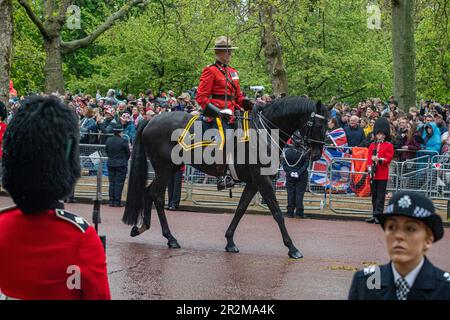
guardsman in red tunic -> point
(219, 86)
(46, 252)
(379, 156)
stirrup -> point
(224, 182)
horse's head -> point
(315, 129)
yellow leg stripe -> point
(222, 136)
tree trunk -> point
(50, 29)
(54, 77)
(404, 52)
(6, 39)
(272, 52)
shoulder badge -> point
(446, 276)
(3, 210)
(370, 270)
(76, 220)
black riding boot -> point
(224, 180)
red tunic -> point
(212, 83)
(37, 250)
(385, 151)
(3, 127)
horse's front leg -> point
(247, 196)
(264, 184)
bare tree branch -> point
(352, 93)
(67, 47)
(48, 8)
(63, 10)
(26, 5)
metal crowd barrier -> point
(96, 138)
(202, 190)
(94, 176)
(355, 201)
(429, 174)
(439, 181)
(414, 174)
(311, 201)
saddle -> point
(188, 140)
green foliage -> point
(327, 47)
(28, 61)
(433, 53)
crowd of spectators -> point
(420, 130)
(423, 128)
(100, 114)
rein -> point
(266, 124)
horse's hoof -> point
(173, 244)
(232, 249)
(296, 254)
(134, 231)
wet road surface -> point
(144, 268)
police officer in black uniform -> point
(411, 225)
(295, 164)
(174, 190)
(118, 152)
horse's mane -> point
(284, 107)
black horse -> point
(154, 141)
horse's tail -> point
(136, 183)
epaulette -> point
(3, 210)
(78, 221)
(369, 270)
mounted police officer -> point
(295, 164)
(219, 94)
(46, 252)
(411, 225)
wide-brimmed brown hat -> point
(223, 43)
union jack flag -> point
(319, 172)
(338, 137)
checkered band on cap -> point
(421, 212)
(389, 209)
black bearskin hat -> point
(382, 125)
(41, 154)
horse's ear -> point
(318, 106)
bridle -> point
(309, 126)
(305, 142)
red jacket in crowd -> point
(3, 127)
(213, 87)
(385, 151)
(51, 255)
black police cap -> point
(118, 128)
(414, 205)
